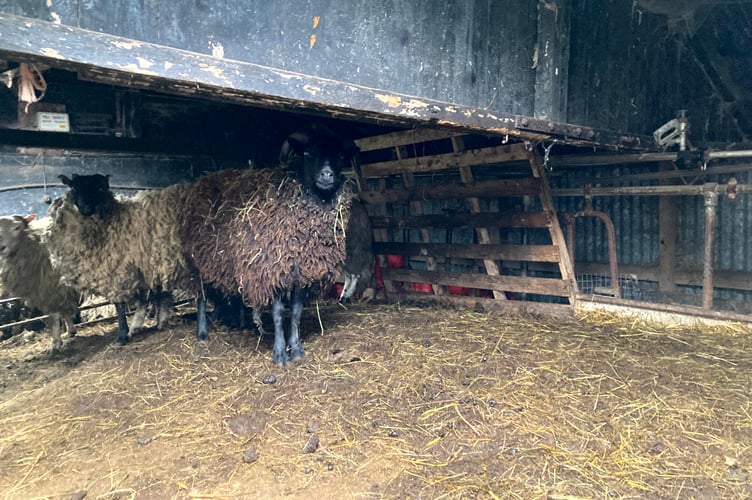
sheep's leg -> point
(139, 315)
(202, 329)
(345, 286)
(122, 337)
(164, 309)
(57, 341)
(279, 351)
(257, 321)
(351, 281)
(297, 299)
(70, 326)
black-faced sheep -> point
(359, 262)
(26, 271)
(121, 249)
(267, 234)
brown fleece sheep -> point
(26, 271)
(266, 234)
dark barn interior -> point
(544, 157)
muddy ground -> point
(391, 401)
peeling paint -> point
(450, 109)
(217, 72)
(46, 51)
(126, 45)
(144, 63)
(56, 18)
(311, 89)
(394, 101)
(136, 69)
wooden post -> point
(484, 238)
(557, 235)
(668, 231)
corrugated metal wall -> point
(636, 221)
(631, 71)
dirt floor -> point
(392, 401)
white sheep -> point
(26, 271)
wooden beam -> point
(529, 253)
(403, 138)
(122, 61)
(505, 187)
(557, 235)
(540, 220)
(541, 286)
(447, 161)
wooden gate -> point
(426, 189)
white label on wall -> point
(53, 122)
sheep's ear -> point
(24, 220)
(65, 180)
(292, 148)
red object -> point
(337, 289)
(422, 287)
(456, 290)
(395, 261)
(379, 278)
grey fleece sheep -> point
(268, 234)
(120, 249)
(26, 271)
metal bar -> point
(588, 160)
(611, 234)
(711, 203)
(731, 187)
(669, 308)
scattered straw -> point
(406, 402)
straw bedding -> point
(392, 401)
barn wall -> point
(636, 220)
(38, 172)
(473, 53)
(631, 69)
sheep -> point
(267, 234)
(121, 250)
(359, 261)
(26, 271)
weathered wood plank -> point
(447, 161)
(539, 220)
(506, 187)
(529, 253)
(402, 138)
(542, 286)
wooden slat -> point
(446, 161)
(528, 253)
(542, 286)
(505, 187)
(482, 233)
(403, 138)
(557, 235)
(535, 220)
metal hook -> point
(546, 154)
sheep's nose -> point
(327, 172)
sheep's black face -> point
(318, 160)
(90, 193)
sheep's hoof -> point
(202, 336)
(296, 353)
(280, 359)
(122, 339)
